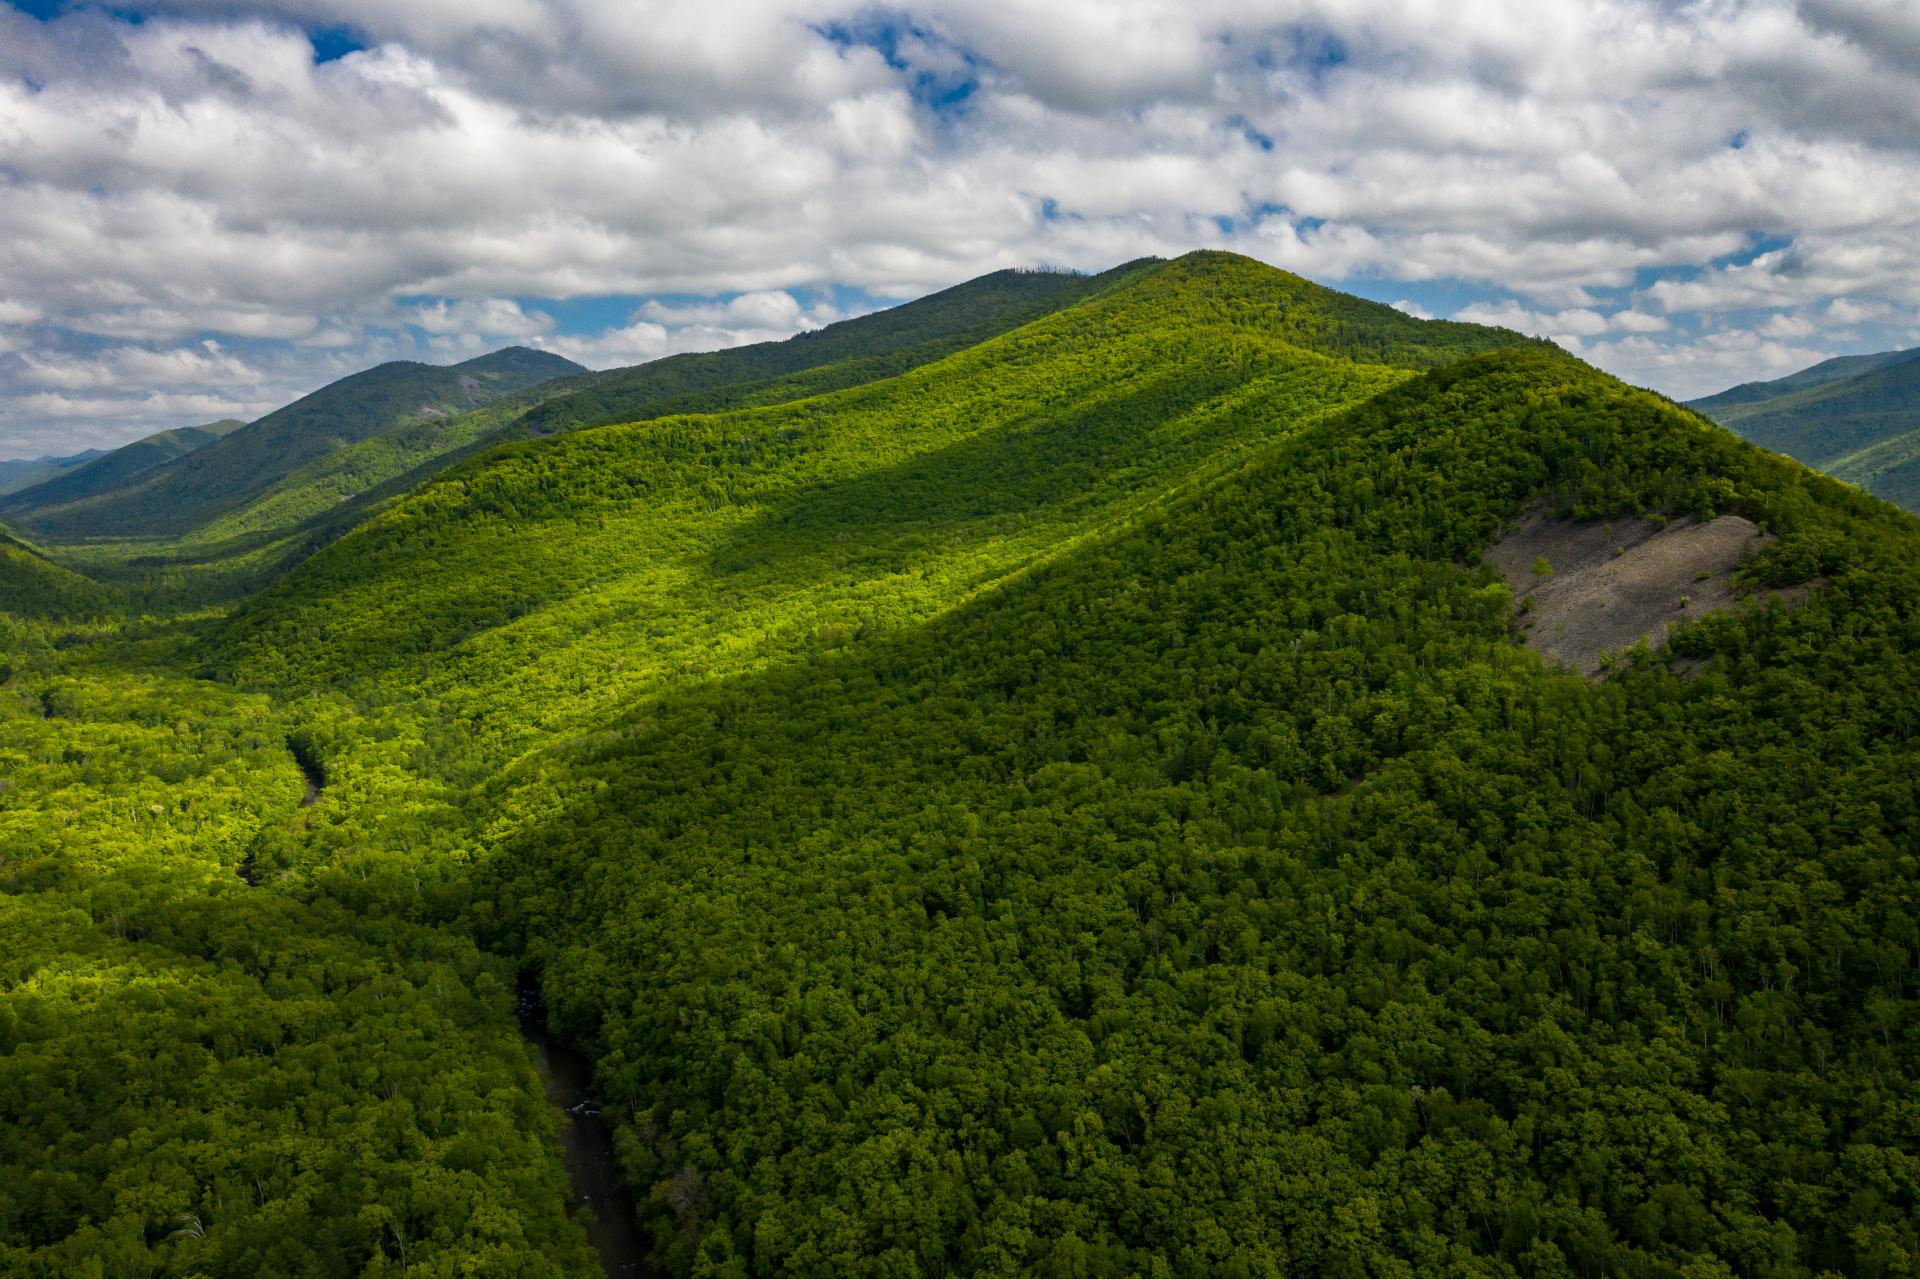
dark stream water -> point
(586, 1146)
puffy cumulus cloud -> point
(663, 327)
(1710, 364)
(1605, 171)
(1562, 326)
(480, 318)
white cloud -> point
(197, 173)
(1575, 322)
(1711, 364)
(1414, 309)
(1849, 311)
(480, 318)
(1788, 327)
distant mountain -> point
(188, 491)
(106, 472)
(1222, 778)
(864, 349)
(19, 473)
(1856, 417)
(331, 494)
(1065, 398)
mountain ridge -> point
(1856, 418)
(189, 490)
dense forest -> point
(1077, 805)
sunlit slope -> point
(344, 481)
(31, 586)
(116, 469)
(186, 493)
(848, 353)
(203, 1075)
(1234, 896)
(550, 577)
(1856, 418)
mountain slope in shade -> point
(843, 354)
(119, 468)
(33, 587)
(958, 470)
(19, 473)
(1079, 807)
(1857, 418)
(183, 494)
(1206, 882)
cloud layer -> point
(199, 218)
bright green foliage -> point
(301, 512)
(365, 475)
(31, 586)
(718, 542)
(202, 1078)
(1072, 808)
(118, 468)
(1234, 897)
(188, 492)
(851, 352)
(1857, 418)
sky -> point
(211, 207)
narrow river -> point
(586, 1145)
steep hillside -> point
(694, 531)
(845, 354)
(19, 473)
(31, 586)
(1856, 418)
(1083, 805)
(865, 349)
(192, 490)
(116, 470)
(1234, 895)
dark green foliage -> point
(119, 468)
(1856, 418)
(31, 586)
(1075, 807)
(20, 473)
(188, 492)
(861, 350)
(1235, 898)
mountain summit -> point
(1181, 772)
(181, 494)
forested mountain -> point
(31, 586)
(1856, 417)
(109, 471)
(336, 492)
(186, 493)
(864, 349)
(19, 473)
(1078, 806)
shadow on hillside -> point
(1053, 464)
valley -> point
(1051, 778)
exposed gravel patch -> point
(1612, 585)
